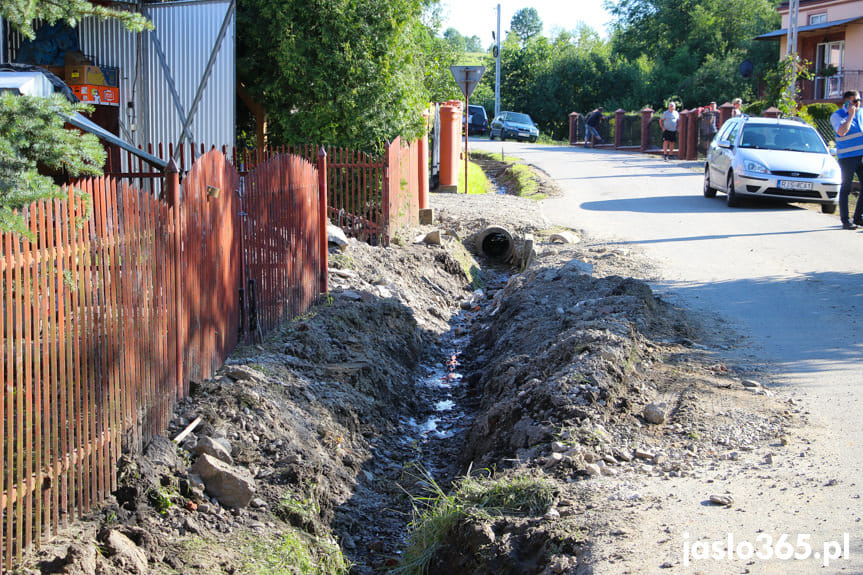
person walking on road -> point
(591, 125)
(847, 122)
(668, 122)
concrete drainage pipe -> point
(495, 244)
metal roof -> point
(784, 31)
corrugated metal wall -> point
(187, 32)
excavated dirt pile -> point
(348, 440)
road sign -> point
(467, 77)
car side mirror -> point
(833, 152)
(724, 144)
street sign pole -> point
(467, 77)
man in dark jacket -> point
(591, 127)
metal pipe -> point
(495, 243)
(83, 123)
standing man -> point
(847, 122)
(591, 124)
(668, 123)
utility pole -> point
(497, 67)
(791, 44)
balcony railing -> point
(831, 87)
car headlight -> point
(756, 167)
(831, 173)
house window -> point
(829, 63)
(818, 18)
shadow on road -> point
(680, 204)
(808, 320)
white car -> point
(771, 158)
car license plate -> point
(791, 185)
(523, 134)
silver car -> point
(770, 158)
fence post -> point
(172, 188)
(772, 112)
(682, 134)
(573, 128)
(385, 196)
(692, 135)
(724, 114)
(423, 160)
(619, 119)
(646, 116)
(322, 219)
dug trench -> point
(434, 414)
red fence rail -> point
(106, 318)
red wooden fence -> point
(106, 319)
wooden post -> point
(646, 116)
(322, 220)
(771, 112)
(619, 119)
(682, 133)
(573, 128)
(172, 193)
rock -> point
(232, 486)
(579, 267)
(644, 454)
(565, 237)
(592, 469)
(212, 447)
(552, 514)
(191, 526)
(432, 238)
(258, 503)
(784, 440)
(622, 455)
(725, 500)
(163, 451)
(243, 372)
(123, 551)
(606, 470)
(751, 383)
(554, 459)
(559, 447)
(336, 236)
(79, 558)
(654, 413)
(350, 274)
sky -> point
(479, 17)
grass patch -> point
(477, 181)
(294, 552)
(546, 140)
(341, 261)
(438, 513)
(518, 178)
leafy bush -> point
(755, 108)
(821, 111)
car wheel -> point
(730, 195)
(828, 208)
(709, 190)
(491, 135)
(531, 140)
(502, 138)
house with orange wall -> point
(830, 38)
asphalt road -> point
(789, 283)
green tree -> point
(473, 44)
(32, 134)
(454, 39)
(22, 13)
(526, 24)
(346, 72)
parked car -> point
(513, 125)
(477, 120)
(771, 158)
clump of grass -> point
(341, 261)
(477, 182)
(438, 513)
(518, 177)
(294, 552)
(298, 510)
